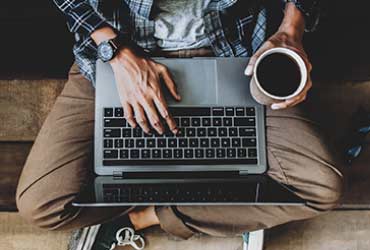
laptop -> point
(217, 158)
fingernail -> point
(275, 106)
(248, 70)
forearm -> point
(293, 23)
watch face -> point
(105, 51)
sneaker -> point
(253, 240)
(117, 233)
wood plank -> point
(339, 230)
(12, 159)
(24, 105)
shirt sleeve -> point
(82, 18)
(311, 11)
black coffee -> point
(278, 74)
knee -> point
(50, 211)
(326, 189)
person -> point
(60, 162)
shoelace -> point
(126, 236)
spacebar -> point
(179, 162)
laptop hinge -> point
(243, 172)
(164, 175)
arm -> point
(289, 35)
(81, 16)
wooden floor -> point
(339, 230)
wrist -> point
(103, 34)
(293, 23)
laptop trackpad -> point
(196, 81)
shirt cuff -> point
(171, 223)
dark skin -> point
(138, 83)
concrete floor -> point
(338, 230)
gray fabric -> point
(179, 24)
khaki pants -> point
(60, 165)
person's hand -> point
(281, 39)
(138, 83)
(288, 36)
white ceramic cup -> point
(260, 94)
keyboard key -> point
(190, 132)
(129, 143)
(225, 142)
(183, 142)
(145, 153)
(110, 154)
(195, 122)
(250, 112)
(114, 122)
(167, 153)
(118, 143)
(186, 111)
(134, 153)
(108, 143)
(206, 122)
(111, 133)
(242, 152)
(123, 154)
(126, 133)
(231, 152)
(185, 122)
(188, 153)
(172, 143)
(229, 111)
(199, 153)
(108, 112)
(150, 143)
(227, 122)
(217, 122)
(204, 142)
(249, 142)
(212, 132)
(162, 143)
(233, 131)
(181, 132)
(168, 132)
(239, 112)
(210, 153)
(137, 132)
(156, 153)
(140, 143)
(222, 132)
(221, 153)
(247, 131)
(177, 153)
(236, 142)
(194, 142)
(201, 132)
(118, 112)
(218, 111)
(215, 142)
(244, 122)
(252, 152)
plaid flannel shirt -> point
(234, 28)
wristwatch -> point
(310, 10)
(108, 49)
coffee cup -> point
(279, 74)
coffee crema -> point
(279, 74)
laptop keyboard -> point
(214, 135)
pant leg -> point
(298, 155)
(60, 163)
